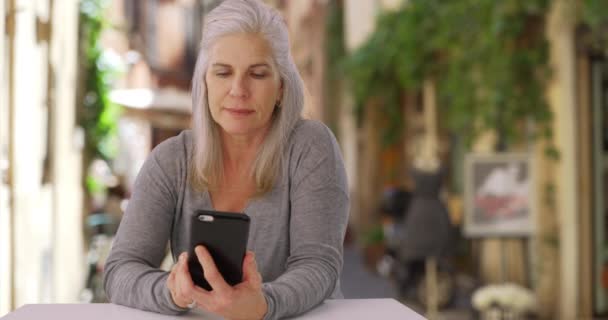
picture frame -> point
(499, 197)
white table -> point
(351, 309)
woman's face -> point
(243, 84)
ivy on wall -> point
(98, 116)
(489, 59)
(595, 12)
(335, 52)
(595, 16)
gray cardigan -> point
(297, 229)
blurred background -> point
(474, 133)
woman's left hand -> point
(243, 301)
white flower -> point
(508, 296)
(484, 297)
(524, 301)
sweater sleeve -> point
(131, 274)
(319, 213)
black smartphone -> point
(225, 235)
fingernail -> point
(182, 256)
(199, 250)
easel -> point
(509, 252)
(429, 160)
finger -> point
(212, 275)
(183, 266)
(171, 278)
(250, 269)
(176, 288)
(171, 281)
(202, 297)
(185, 286)
(189, 292)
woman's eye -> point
(258, 75)
(222, 74)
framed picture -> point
(499, 195)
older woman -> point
(250, 152)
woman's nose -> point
(238, 87)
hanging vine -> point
(97, 115)
(489, 58)
(595, 15)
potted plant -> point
(373, 246)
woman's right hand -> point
(180, 283)
(243, 301)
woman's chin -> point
(239, 130)
(243, 128)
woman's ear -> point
(280, 95)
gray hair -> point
(244, 16)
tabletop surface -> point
(352, 309)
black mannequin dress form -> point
(428, 231)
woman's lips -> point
(239, 112)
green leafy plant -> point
(595, 15)
(374, 235)
(335, 52)
(488, 58)
(335, 47)
(595, 12)
(98, 116)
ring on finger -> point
(192, 304)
